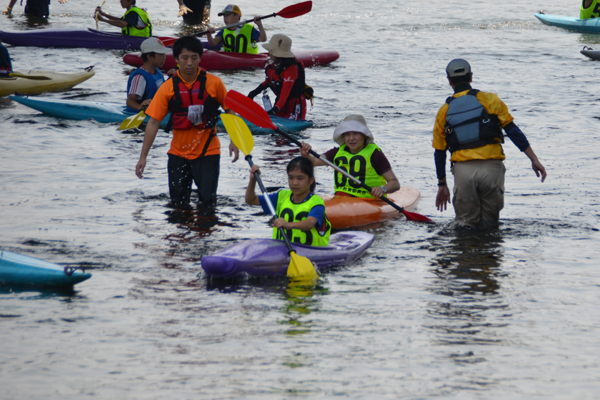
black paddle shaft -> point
(338, 169)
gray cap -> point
(153, 45)
(458, 67)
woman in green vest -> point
(135, 21)
(238, 39)
(299, 211)
(360, 157)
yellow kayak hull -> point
(56, 81)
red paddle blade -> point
(411, 216)
(248, 109)
(167, 41)
(296, 10)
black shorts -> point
(203, 171)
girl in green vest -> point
(135, 21)
(299, 211)
(360, 157)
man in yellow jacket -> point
(470, 126)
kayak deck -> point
(57, 81)
(350, 212)
(269, 257)
(21, 270)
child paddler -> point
(360, 157)
(240, 39)
(145, 81)
(135, 21)
(299, 211)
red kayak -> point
(220, 60)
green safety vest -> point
(293, 212)
(132, 30)
(359, 166)
(593, 11)
(240, 40)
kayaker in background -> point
(194, 12)
(589, 9)
(299, 211)
(470, 126)
(145, 81)
(39, 8)
(285, 77)
(5, 62)
(193, 97)
(135, 21)
(243, 39)
(360, 157)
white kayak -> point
(38, 81)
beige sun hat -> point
(280, 46)
(352, 123)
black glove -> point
(255, 92)
(273, 111)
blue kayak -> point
(591, 25)
(117, 112)
(20, 270)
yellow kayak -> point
(42, 81)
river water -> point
(426, 313)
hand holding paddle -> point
(299, 267)
(255, 114)
(293, 11)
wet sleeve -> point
(516, 136)
(330, 154)
(318, 212)
(273, 197)
(288, 76)
(380, 163)
(440, 163)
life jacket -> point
(593, 11)
(359, 166)
(132, 30)
(293, 212)
(183, 98)
(153, 81)
(240, 40)
(469, 124)
(273, 72)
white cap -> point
(352, 123)
(153, 45)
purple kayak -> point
(90, 38)
(269, 257)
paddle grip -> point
(338, 169)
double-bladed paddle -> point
(133, 121)
(293, 11)
(254, 113)
(299, 267)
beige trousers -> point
(478, 193)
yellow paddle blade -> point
(238, 132)
(133, 122)
(301, 268)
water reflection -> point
(467, 268)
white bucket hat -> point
(352, 123)
(280, 46)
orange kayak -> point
(348, 212)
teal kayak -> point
(116, 113)
(591, 25)
(21, 270)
